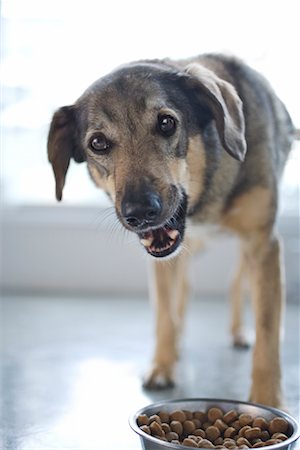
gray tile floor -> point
(72, 368)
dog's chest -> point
(199, 234)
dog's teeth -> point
(147, 242)
(173, 234)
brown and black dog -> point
(175, 143)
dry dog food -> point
(214, 429)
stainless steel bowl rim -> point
(215, 402)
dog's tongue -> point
(159, 241)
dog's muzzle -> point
(160, 236)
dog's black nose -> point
(144, 210)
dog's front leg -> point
(168, 287)
(237, 299)
(263, 257)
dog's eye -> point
(166, 124)
(99, 143)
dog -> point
(178, 144)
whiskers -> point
(108, 222)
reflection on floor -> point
(72, 368)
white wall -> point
(53, 49)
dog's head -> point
(135, 129)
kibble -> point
(214, 413)
(205, 443)
(218, 441)
(260, 422)
(188, 427)
(176, 426)
(166, 427)
(243, 430)
(145, 429)
(212, 433)
(265, 435)
(214, 429)
(200, 432)
(243, 441)
(230, 432)
(195, 438)
(178, 416)
(156, 429)
(171, 436)
(230, 416)
(245, 419)
(164, 416)
(229, 443)
(143, 419)
(280, 436)
(154, 418)
(252, 433)
(272, 441)
(278, 425)
(258, 444)
(222, 426)
(236, 424)
(189, 443)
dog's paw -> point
(241, 341)
(159, 378)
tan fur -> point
(108, 183)
(196, 163)
(178, 169)
(250, 211)
(190, 171)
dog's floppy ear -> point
(225, 105)
(63, 144)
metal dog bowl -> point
(203, 404)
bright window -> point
(53, 49)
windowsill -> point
(64, 249)
(80, 214)
(56, 214)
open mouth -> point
(163, 241)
